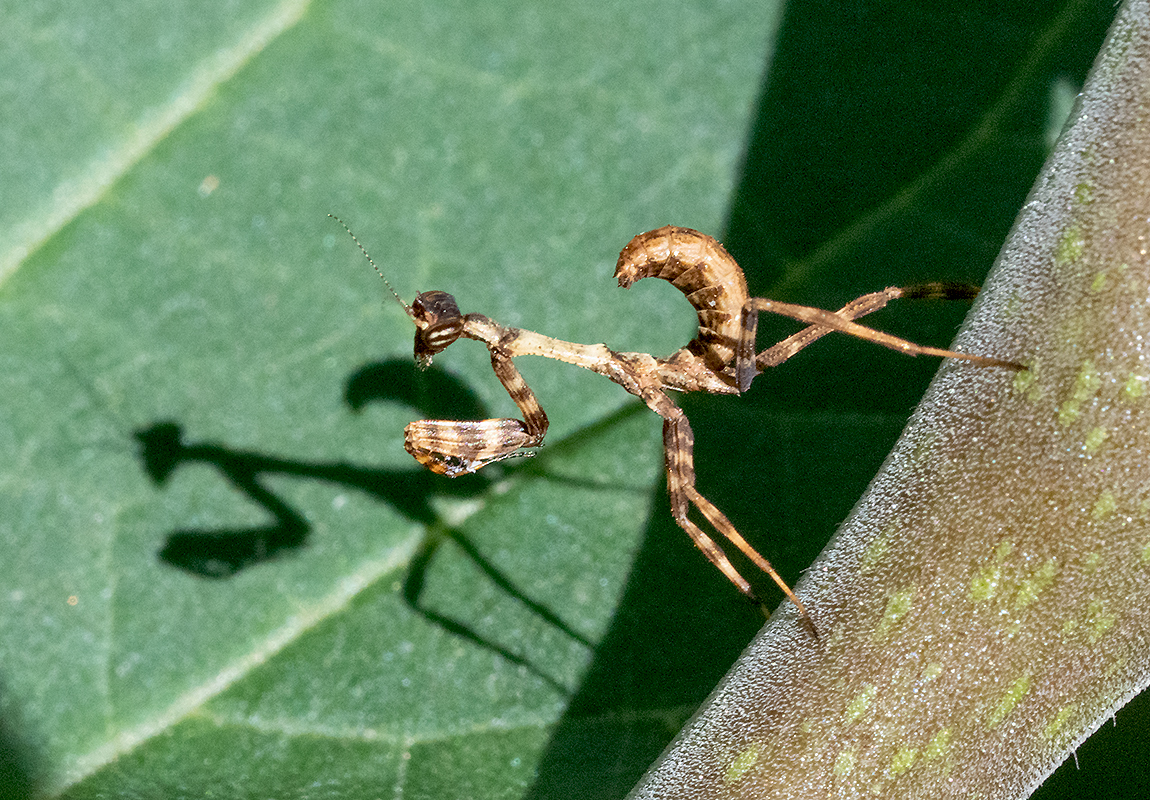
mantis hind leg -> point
(678, 446)
(821, 322)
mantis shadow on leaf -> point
(222, 553)
(225, 552)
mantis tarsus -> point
(720, 360)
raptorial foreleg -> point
(450, 447)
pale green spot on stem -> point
(896, 608)
(1106, 278)
(938, 745)
(1083, 194)
(1095, 439)
(877, 548)
(1146, 553)
(1086, 385)
(1030, 588)
(1009, 701)
(931, 671)
(1070, 246)
(743, 763)
(1098, 285)
(1013, 305)
(984, 585)
(1133, 388)
(923, 449)
(845, 762)
(1023, 379)
(1104, 506)
(859, 705)
(1058, 722)
(1100, 620)
(1028, 382)
(902, 761)
(1092, 562)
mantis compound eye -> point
(438, 323)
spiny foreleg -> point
(450, 447)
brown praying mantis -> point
(720, 360)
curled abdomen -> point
(699, 267)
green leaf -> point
(220, 572)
